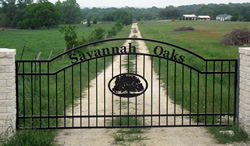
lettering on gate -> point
(158, 51)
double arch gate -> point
(124, 86)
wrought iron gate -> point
(118, 86)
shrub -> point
(185, 29)
(112, 32)
(70, 36)
(97, 34)
(237, 37)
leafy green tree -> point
(8, 11)
(97, 34)
(112, 32)
(118, 26)
(121, 16)
(235, 16)
(70, 11)
(4, 20)
(88, 23)
(147, 16)
(247, 16)
(70, 36)
(95, 19)
(40, 15)
(169, 12)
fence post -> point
(244, 88)
(7, 91)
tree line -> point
(240, 12)
(27, 14)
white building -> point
(223, 17)
(203, 17)
(189, 17)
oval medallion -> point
(128, 85)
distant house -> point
(223, 17)
(85, 22)
(203, 17)
(189, 17)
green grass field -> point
(44, 40)
(197, 92)
(204, 41)
(37, 101)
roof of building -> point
(204, 16)
(224, 15)
(189, 15)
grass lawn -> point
(197, 92)
(48, 87)
(43, 40)
(204, 41)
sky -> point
(148, 3)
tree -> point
(169, 12)
(235, 16)
(4, 20)
(247, 16)
(8, 11)
(88, 23)
(119, 16)
(70, 11)
(96, 35)
(127, 83)
(40, 15)
(70, 36)
(147, 16)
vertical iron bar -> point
(221, 92)
(128, 98)
(120, 97)
(64, 86)
(96, 92)
(80, 94)
(88, 98)
(48, 97)
(159, 91)
(190, 104)
(112, 93)
(144, 92)
(206, 96)
(23, 97)
(104, 91)
(213, 90)
(236, 98)
(229, 91)
(152, 90)
(175, 93)
(32, 109)
(167, 95)
(198, 98)
(136, 96)
(128, 63)
(72, 96)
(56, 103)
(40, 84)
(182, 111)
